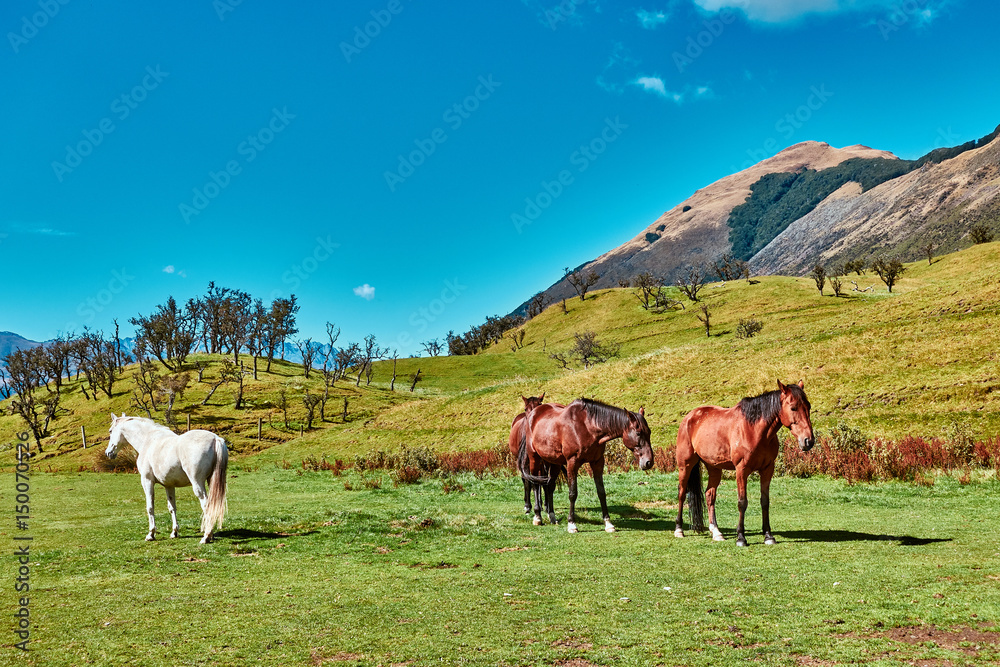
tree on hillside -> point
(235, 321)
(328, 370)
(980, 234)
(308, 351)
(929, 249)
(705, 317)
(27, 376)
(836, 283)
(280, 325)
(146, 380)
(432, 347)
(692, 282)
(535, 307)
(345, 359)
(370, 353)
(255, 339)
(818, 274)
(855, 265)
(888, 269)
(169, 388)
(100, 363)
(581, 282)
(56, 360)
(730, 267)
(589, 350)
(168, 334)
(646, 286)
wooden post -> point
(189, 422)
(83, 436)
(416, 377)
(300, 430)
(345, 410)
(258, 428)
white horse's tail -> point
(215, 508)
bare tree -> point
(516, 339)
(308, 352)
(280, 325)
(146, 380)
(433, 348)
(395, 358)
(582, 282)
(560, 358)
(729, 267)
(888, 269)
(858, 266)
(536, 305)
(589, 350)
(169, 388)
(705, 318)
(416, 378)
(370, 353)
(310, 401)
(329, 369)
(235, 373)
(345, 359)
(26, 376)
(837, 284)
(646, 287)
(818, 274)
(235, 321)
(256, 340)
(929, 249)
(692, 282)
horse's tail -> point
(696, 499)
(215, 508)
(522, 461)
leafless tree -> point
(536, 305)
(255, 338)
(705, 318)
(433, 348)
(560, 358)
(146, 380)
(729, 267)
(582, 282)
(168, 334)
(929, 249)
(370, 353)
(589, 350)
(308, 352)
(26, 376)
(280, 326)
(310, 402)
(345, 359)
(516, 339)
(416, 378)
(692, 282)
(395, 358)
(646, 286)
(169, 388)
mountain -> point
(10, 341)
(813, 202)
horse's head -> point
(636, 438)
(533, 402)
(115, 435)
(795, 414)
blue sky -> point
(406, 168)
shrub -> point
(406, 475)
(651, 237)
(847, 438)
(420, 458)
(372, 482)
(980, 234)
(124, 462)
(748, 327)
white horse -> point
(176, 460)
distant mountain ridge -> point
(804, 205)
(10, 342)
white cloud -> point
(783, 11)
(655, 85)
(365, 291)
(650, 20)
(168, 268)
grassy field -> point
(308, 572)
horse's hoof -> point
(174, 534)
(678, 532)
(206, 540)
(608, 528)
(770, 540)
(537, 521)
(150, 538)
(527, 510)
(571, 528)
(718, 536)
(740, 542)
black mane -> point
(767, 406)
(604, 415)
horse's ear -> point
(541, 399)
(114, 418)
(782, 387)
(802, 384)
(642, 412)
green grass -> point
(306, 572)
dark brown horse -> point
(516, 428)
(573, 435)
(743, 438)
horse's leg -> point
(684, 469)
(741, 493)
(572, 466)
(538, 504)
(148, 487)
(527, 496)
(550, 505)
(202, 496)
(765, 502)
(172, 504)
(598, 468)
(714, 478)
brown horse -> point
(573, 435)
(743, 438)
(516, 427)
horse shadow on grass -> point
(851, 536)
(245, 534)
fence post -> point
(258, 428)
(345, 410)
(83, 436)
(189, 422)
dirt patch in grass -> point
(575, 662)
(959, 638)
(573, 644)
(500, 550)
(809, 661)
(656, 504)
(317, 658)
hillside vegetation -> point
(921, 361)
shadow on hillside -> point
(245, 534)
(850, 536)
